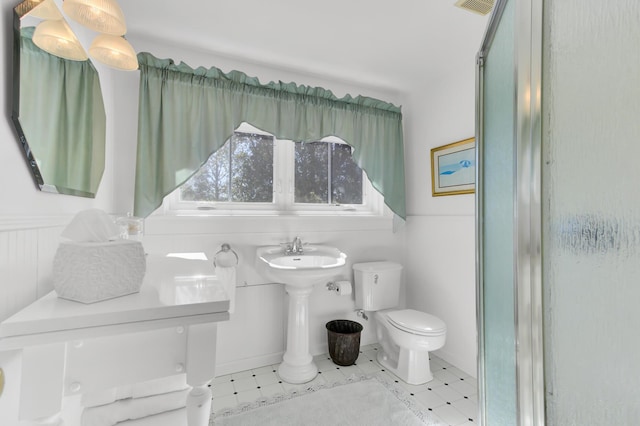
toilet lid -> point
(417, 322)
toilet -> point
(406, 336)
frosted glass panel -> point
(591, 207)
(498, 165)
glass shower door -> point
(592, 213)
(508, 212)
(496, 180)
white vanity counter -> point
(51, 318)
(69, 348)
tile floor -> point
(451, 396)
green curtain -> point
(186, 114)
(63, 118)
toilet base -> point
(412, 367)
(406, 354)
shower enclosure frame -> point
(527, 209)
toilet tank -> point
(377, 285)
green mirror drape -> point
(186, 114)
(62, 115)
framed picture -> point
(453, 168)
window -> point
(241, 171)
(325, 173)
(256, 172)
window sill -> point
(251, 223)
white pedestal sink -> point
(299, 273)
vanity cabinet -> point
(69, 348)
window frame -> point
(283, 192)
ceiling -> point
(388, 44)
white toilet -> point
(405, 335)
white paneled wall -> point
(27, 248)
(18, 269)
(255, 335)
(48, 240)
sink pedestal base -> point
(297, 364)
(296, 374)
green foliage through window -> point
(323, 168)
(240, 171)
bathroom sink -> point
(299, 270)
(313, 257)
(314, 263)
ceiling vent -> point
(481, 7)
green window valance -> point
(187, 114)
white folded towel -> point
(133, 408)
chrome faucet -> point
(295, 247)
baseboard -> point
(248, 363)
(270, 359)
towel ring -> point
(225, 248)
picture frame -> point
(453, 168)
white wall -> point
(440, 271)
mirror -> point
(58, 111)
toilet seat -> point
(417, 322)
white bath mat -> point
(364, 400)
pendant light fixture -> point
(102, 16)
(114, 51)
(105, 17)
(56, 37)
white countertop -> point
(162, 301)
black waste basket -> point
(344, 341)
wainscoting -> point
(256, 332)
(27, 248)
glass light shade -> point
(114, 51)
(103, 16)
(57, 38)
(46, 10)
